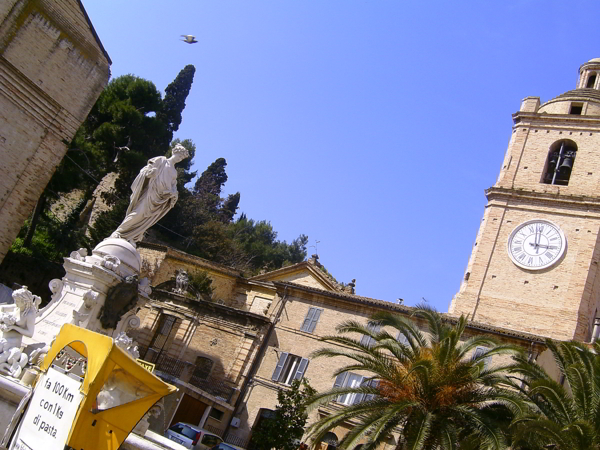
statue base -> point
(80, 296)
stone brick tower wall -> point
(562, 300)
(52, 69)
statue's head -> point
(180, 152)
(24, 299)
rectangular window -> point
(311, 319)
(289, 368)
(368, 340)
(352, 380)
(402, 339)
(591, 82)
(159, 340)
(478, 352)
(576, 109)
(216, 414)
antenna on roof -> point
(315, 246)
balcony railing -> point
(186, 372)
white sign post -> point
(50, 414)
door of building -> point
(190, 410)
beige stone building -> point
(52, 69)
(230, 352)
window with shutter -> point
(279, 366)
(368, 340)
(480, 351)
(402, 339)
(371, 383)
(353, 380)
(289, 368)
(311, 319)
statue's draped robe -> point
(154, 193)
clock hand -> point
(551, 247)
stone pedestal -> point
(90, 282)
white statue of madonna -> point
(16, 321)
(154, 193)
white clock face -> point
(536, 244)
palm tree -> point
(561, 418)
(439, 390)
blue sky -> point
(372, 126)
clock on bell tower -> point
(534, 264)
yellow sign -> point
(146, 365)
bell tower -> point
(534, 266)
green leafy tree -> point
(204, 221)
(430, 386)
(174, 102)
(174, 227)
(131, 118)
(201, 283)
(561, 417)
(286, 427)
(259, 242)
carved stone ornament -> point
(90, 298)
(79, 255)
(128, 344)
(119, 300)
(143, 425)
(16, 321)
(55, 287)
(181, 282)
(132, 322)
(79, 317)
(144, 286)
(110, 262)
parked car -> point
(192, 436)
(225, 446)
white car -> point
(192, 436)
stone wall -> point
(52, 70)
(160, 264)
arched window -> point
(331, 440)
(559, 164)
(591, 82)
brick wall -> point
(52, 70)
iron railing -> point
(186, 372)
(237, 441)
(213, 429)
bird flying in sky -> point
(188, 38)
